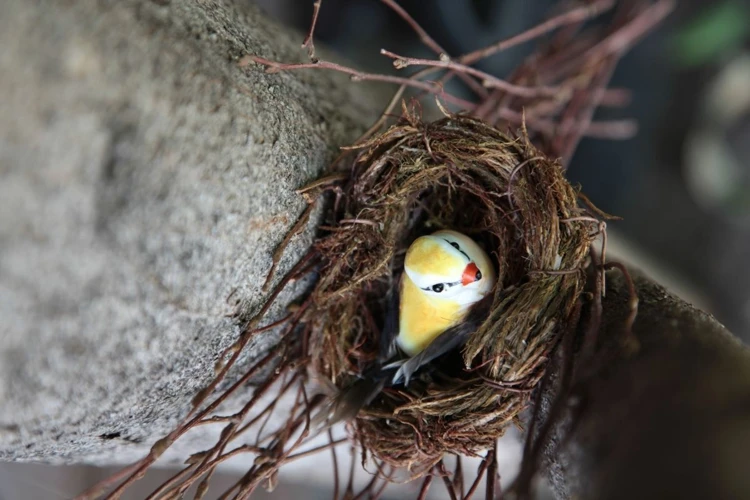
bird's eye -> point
(479, 275)
(437, 288)
(455, 245)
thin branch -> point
(446, 480)
(433, 45)
(308, 42)
(480, 474)
(632, 301)
(96, 490)
(458, 476)
(487, 79)
(279, 251)
(317, 449)
(360, 76)
(349, 493)
(335, 464)
(425, 488)
(139, 469)
(491, 481)
(623, 39)
(571, 17)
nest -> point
(413, 179)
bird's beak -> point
(471, 274)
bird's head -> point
(448, 264)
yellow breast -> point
(423, 318)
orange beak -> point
(471, 274)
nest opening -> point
(413, 179)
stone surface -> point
(146, 175)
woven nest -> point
(457, 173)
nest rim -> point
(537, 234)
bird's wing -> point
(449, 339)
(347, 404)
(453, 337)
(390, 327)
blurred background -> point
(682, 185)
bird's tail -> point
(347, 404)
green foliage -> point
(721, 29)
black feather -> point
(389, 333)
(347, 404)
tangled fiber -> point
(462, 174)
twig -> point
(623, 39)
(446, 480)
(96, 490)
(491, 481)
(335, 465)
(308, 42)
(317, 449)
(488, 80)
(433, 45)
(171, 482)
(458, 477)
(349, 493)
(425, 488)
(480, 474)
(369, 486)
(278, 252)
(632, 300)
(137, 470)
(573, 16)
(591, 335)
(575, 120)
(229, 433)
(379, 492)
(359, 76)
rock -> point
(147, 172)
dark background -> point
(682, 185)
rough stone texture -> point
(146, 175)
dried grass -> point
(463, 174)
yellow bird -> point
(445, 274)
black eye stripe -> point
(455, 245)
(440, 287)
(449, 285)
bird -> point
(446, 276)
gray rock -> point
(146, 176)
